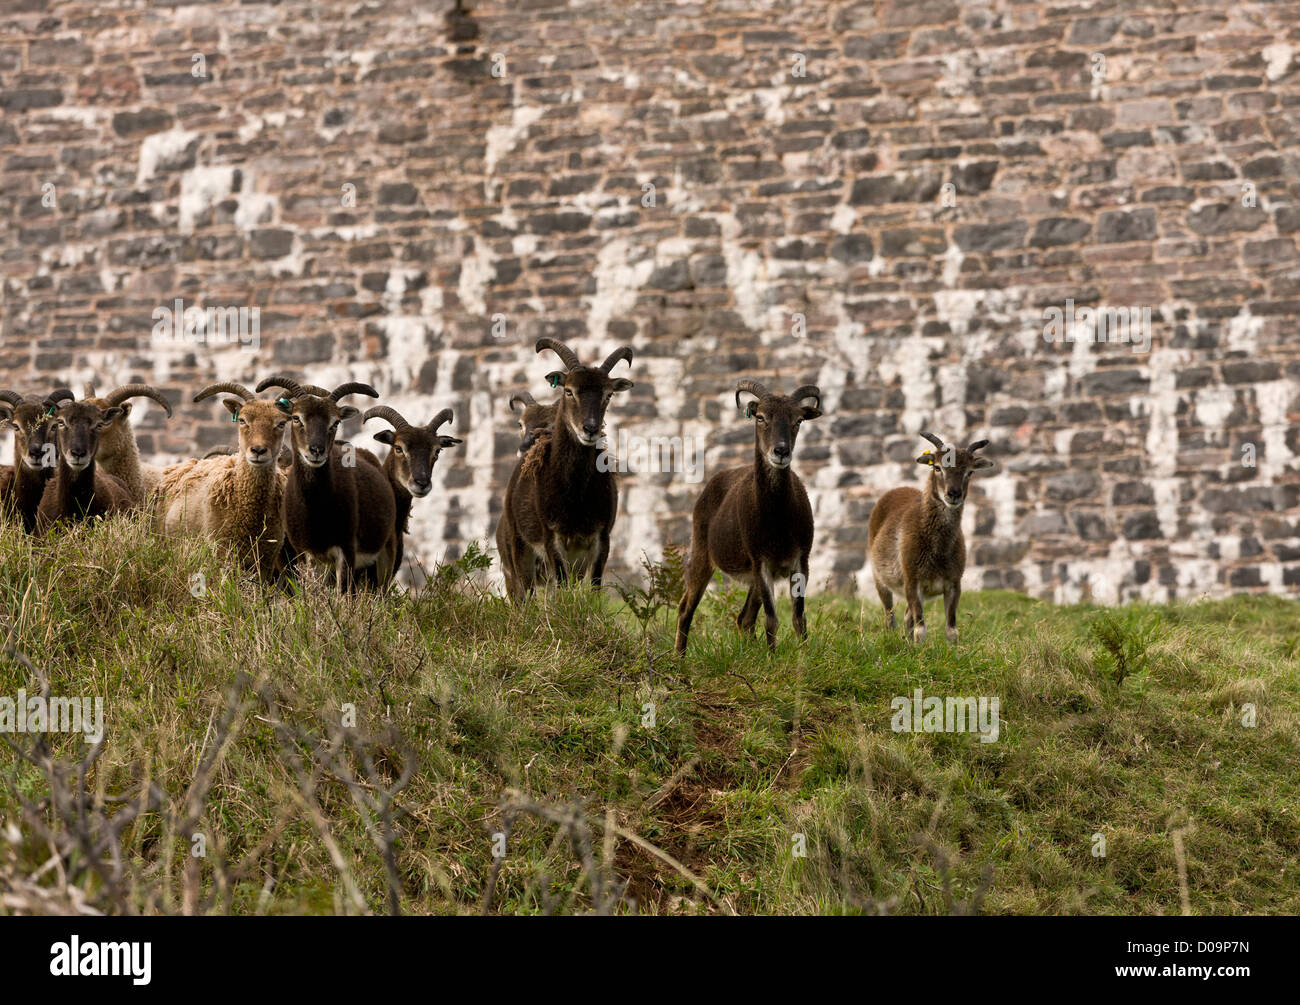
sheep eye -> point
(398, 448)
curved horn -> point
(13, 397)
(88, 389)
(808, 391)
(933, 439)
(288, 383)
(567, 355)
(60, 394)
(977, 445)
(524, 397)
(753, 387)
(389, 415)
(439, 419)
(352, 387)
(120, 394)
(225, 387)
(611, 361)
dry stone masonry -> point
(923, 206)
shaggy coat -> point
(234, 498)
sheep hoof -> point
(918, 633)
(952, 635)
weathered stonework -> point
(940, 175)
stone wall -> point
(883, 198)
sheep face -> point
(261, 429)
(315, 424)
(777, 418)
(78, 427)
(950, 470)
(533, 418)
(415, 452)
(586, 396)
(118, 440)
(33, 441)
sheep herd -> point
(338, 506)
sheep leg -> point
(915, 623)
(887, 601)
(602, 556)
(698, 574)
(749, 613)
(769, 607)
(951, 594)
(799, 587)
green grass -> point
(1123, 723)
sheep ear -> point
(284, 405)
(983, 464)
(126, 409)
(385, 436)
(347, 412)
(927, 458)
(622, 384)
(232, 405)
(6, 413)
(110, 414)
(810, 412)
(555, 378)
(448, 441)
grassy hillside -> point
(224, 720)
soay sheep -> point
(234, 498)
(915, 538)
(338, 510)
(413, 451)
(79, 490)
(755, 522)
(560, 504)
(35, 454)
(534, 418)
(118, 453)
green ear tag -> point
(284, 401)
(749, 410)
(234, 416)
(555, 382)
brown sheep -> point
(755, 522)
(118, 453)
(235, 499)
(79, 491)
(915, 538)
(35, 455)
(414, 450)
(560, 505)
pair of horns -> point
(977, 445)
(760, 390)
(55, 396)
(524, 398)
(570, 358)
(297, 390)
(395, 419)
